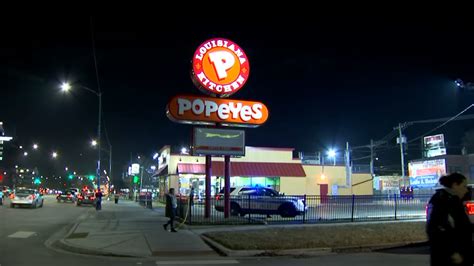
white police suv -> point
(260, 200)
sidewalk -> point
(127, 229)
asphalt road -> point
(24, 232)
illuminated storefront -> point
(268, 167)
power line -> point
(443, 124)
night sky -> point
(325, 81)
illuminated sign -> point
(211, 111)
(220, 67)
(135, 169)
(425, 174)
(434, 146)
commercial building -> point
(269, 167)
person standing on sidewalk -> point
(191, 197)
(98, 196)
(116, 196)
(448, 226)
(170, 210)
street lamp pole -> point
(65, 88)
(99, 137)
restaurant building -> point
(267, 167)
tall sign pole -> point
(207, 213)
(220, 68)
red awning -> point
(191, 168)
(246, 169)
(163, 171)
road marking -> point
(21, 234)
(196, 262)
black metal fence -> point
(249, 209)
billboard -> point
(425, 174)
(213, 141)
(433, 146)
(387, 183)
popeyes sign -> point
(220, 68)
(212, 111)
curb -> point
(370, 248)
(301, 252)
(256, 252)
(61, 244)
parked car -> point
(86, 196)
(26, 197)
(260, 200)
(67, 196)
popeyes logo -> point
(220, 67)
(212, 111)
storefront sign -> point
(212, 111)
(220, 67)
(212, 141)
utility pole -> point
(372, 158)
(141, 180)
(402, 153)
(110, 163)
(348, 167)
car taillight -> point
(69, 196)
(218, 197)
(470, 208)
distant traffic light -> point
(1, 178)
(136, 180)
(37, 181)
(70, 176)
(91, 177)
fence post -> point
(395, 199)
(353, 203)
(190, 212)
(250, 221)
(304, 209)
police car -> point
(260, 200)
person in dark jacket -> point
(170, 211)
(98, 203)
(448, 226)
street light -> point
(332, 154)
(54, 154)
(468, 85)
(35, 146)
(66, 87)
(94, 142)
(25, 153)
